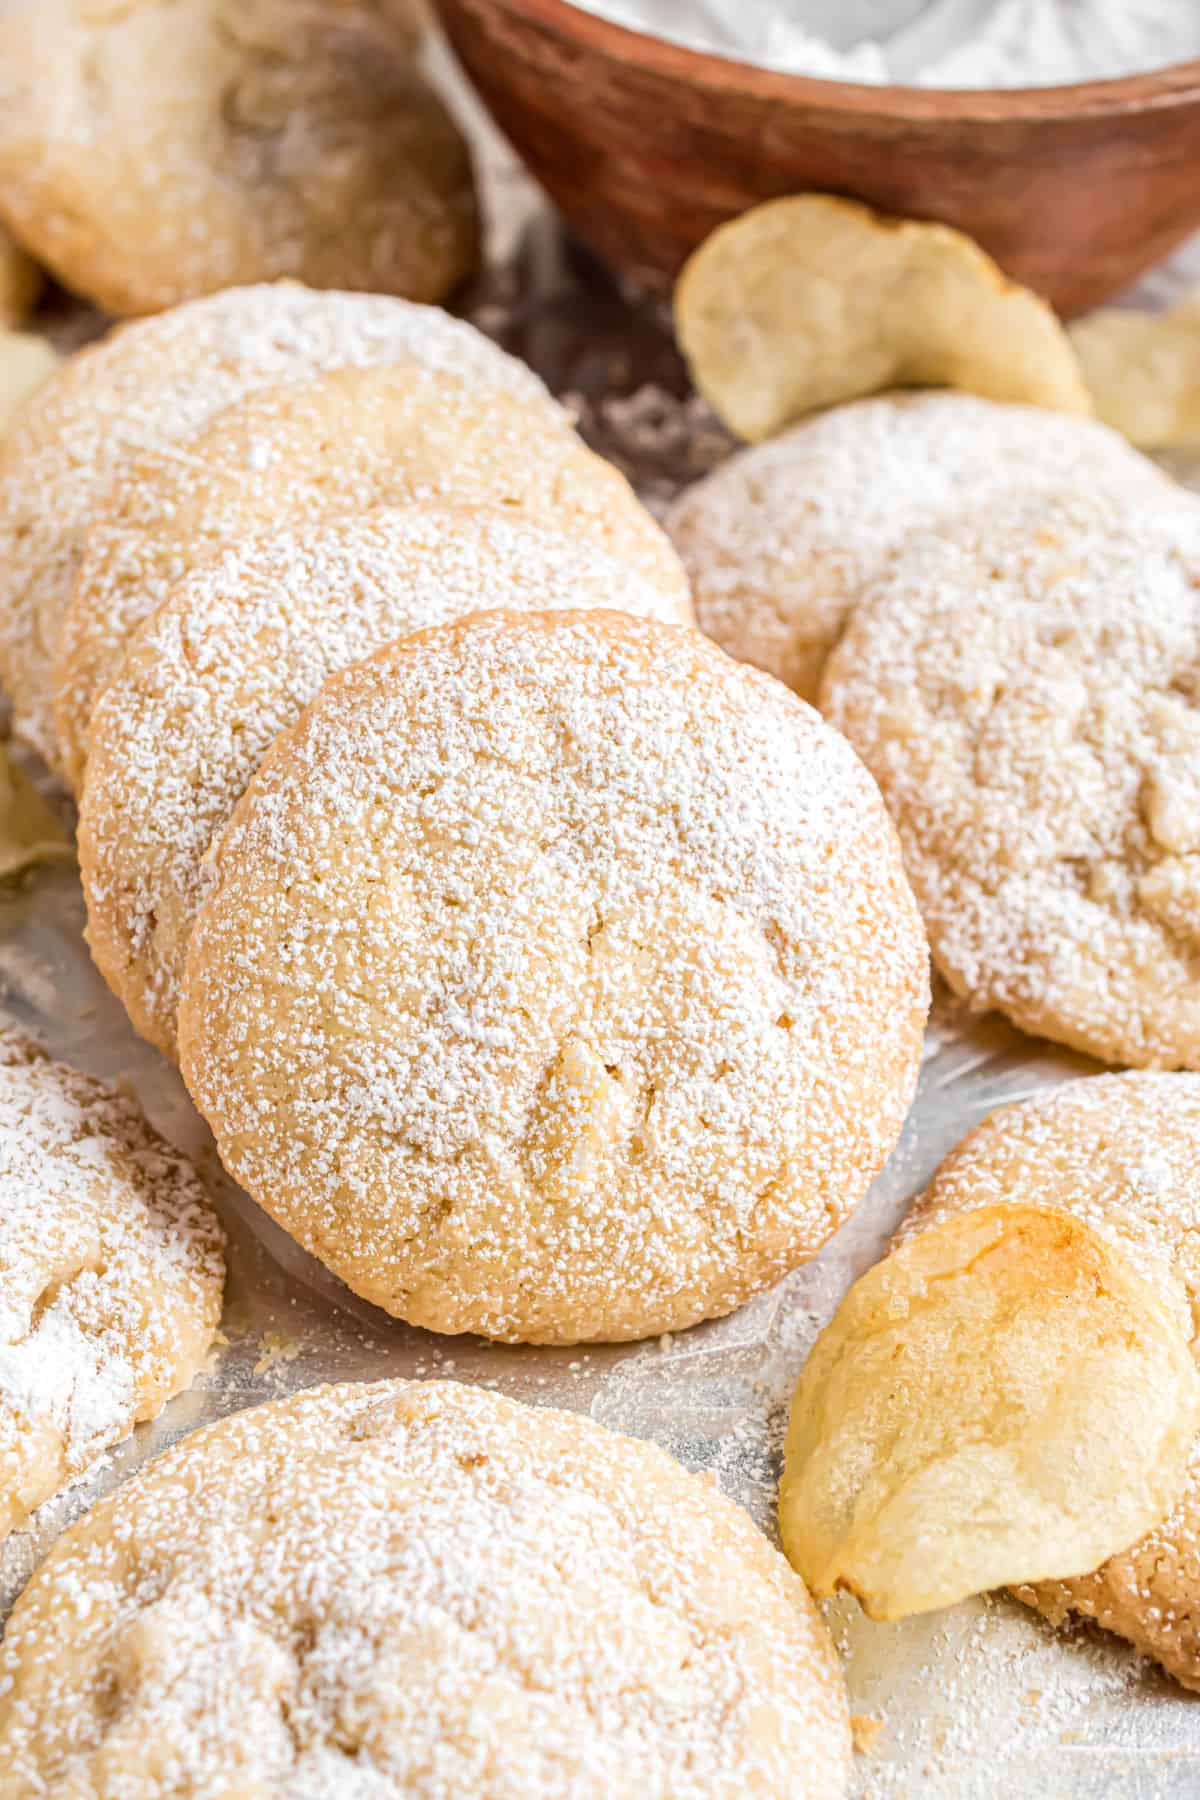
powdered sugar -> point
(419, 1589)
(349, 440)
(110, 1273)
(1120, 1151)
(60, 1377)
(783, 539)
(930, 43)
(152, 384)
(1026, 692)
(982, 1699)
(229, 662)
(654, 986)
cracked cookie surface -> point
(230, 660)
(1026, 691)
(345, 441)
(560, 980)
(150, 386)
(421, 1590)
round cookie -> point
(1025, 692)
(1123, 1153)
(782, 540)
(20, 282)
(153, 384)
(232, 658)
(110, 1274)
(559, 981)
(156, 151)
(348, 440)
(419, 1589)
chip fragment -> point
(811, 300)
(1005, 1398)
(1143, 370)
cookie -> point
(559, 981)
(1121, 1152)
(1025, 692)
(346, 441)
(1148, 1595)
(782, 540)
(419, 1589)
(157, 151)
(151, 385)
(111, 1272)
(232, 658)
(20, 282)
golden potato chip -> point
(25, 362)
(805, 302)
(1143, 370)
(20, 282)
(1003, 1399)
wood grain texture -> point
(646, 147)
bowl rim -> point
(1152, 89)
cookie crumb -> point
(864, 1731)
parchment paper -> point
(984, 1700)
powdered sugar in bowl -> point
(648, 144)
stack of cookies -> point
(401, 1588)
(998, 606)
(546, 972)
(551, 973)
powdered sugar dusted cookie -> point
(419, 1589)
(110, 1274)
(231, 659)
(560, 980)
(782, 540)
(1123, 1153)
(153, 384)
(1026, 692)
(157, 150)
(343, 442)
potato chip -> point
(25, 362)
(805, 302)
(20, 282)
(1003, 1399)
(1143, 370)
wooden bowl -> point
(646, 147)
